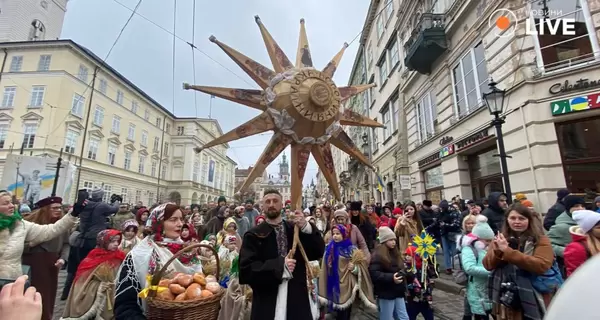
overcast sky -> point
(144, 52)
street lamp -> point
(494, 101)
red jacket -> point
(576, 252)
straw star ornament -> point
(301, 104)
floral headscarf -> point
(156, 219)
(192, 232)
(101, 254)
(105, 237)
(130, 223)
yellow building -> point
(57, 94)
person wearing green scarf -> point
(9, 221)
(16, 233)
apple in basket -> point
(188, 287)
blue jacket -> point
(478, 276)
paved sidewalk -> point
(59, 305)
(448, 306)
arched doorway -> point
(195, 198)
(202, 200)
(216, 199)
(175, 197)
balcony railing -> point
(426, 43)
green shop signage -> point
(575, 104)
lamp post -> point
(494, 101)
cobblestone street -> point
(447, 306)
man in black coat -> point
(497, 205)
(556, 210)
(264, 264)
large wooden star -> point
(300, 104)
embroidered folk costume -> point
(145, 260)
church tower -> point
(284, 169)
(31, 20)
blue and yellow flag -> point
(379, 183)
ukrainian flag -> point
(379, 183)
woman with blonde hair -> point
(586, 239)
(16, 232)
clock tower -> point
(31, 20)
(284, 169)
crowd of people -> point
(325, 260)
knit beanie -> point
(586, 219)
(597, 200)
(355, 206)
(527, 203)
(520, 197)
(482, 229)
(97, 194)
(340, 213)
(572, 200)
(221, 199)
(386, 234)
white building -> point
(450, 50)
(31, 20)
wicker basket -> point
(203, 309)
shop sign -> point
(445, 140)
(405, 182)
(444, 152)
(472, 139)
(580, 84)
(575, 104)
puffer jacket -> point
(494, 212)
(559, 234)
(576, 253)
(478, 276)
(93, 217)
(13, 242)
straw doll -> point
(130, 239)
(228, 252)
(344, 275)
(92, 293)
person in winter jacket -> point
(407, 226)
(449, 223)
(497, 204)
(473, 248)
(363, 224)
(559, 233)
(121, 216)
(586, 239)
(556, 210)
(387, 273)
(428, 218)
(93, 220)
(517, 253)
(356, 236)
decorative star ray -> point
(300, 104)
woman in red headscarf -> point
(93, 290)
